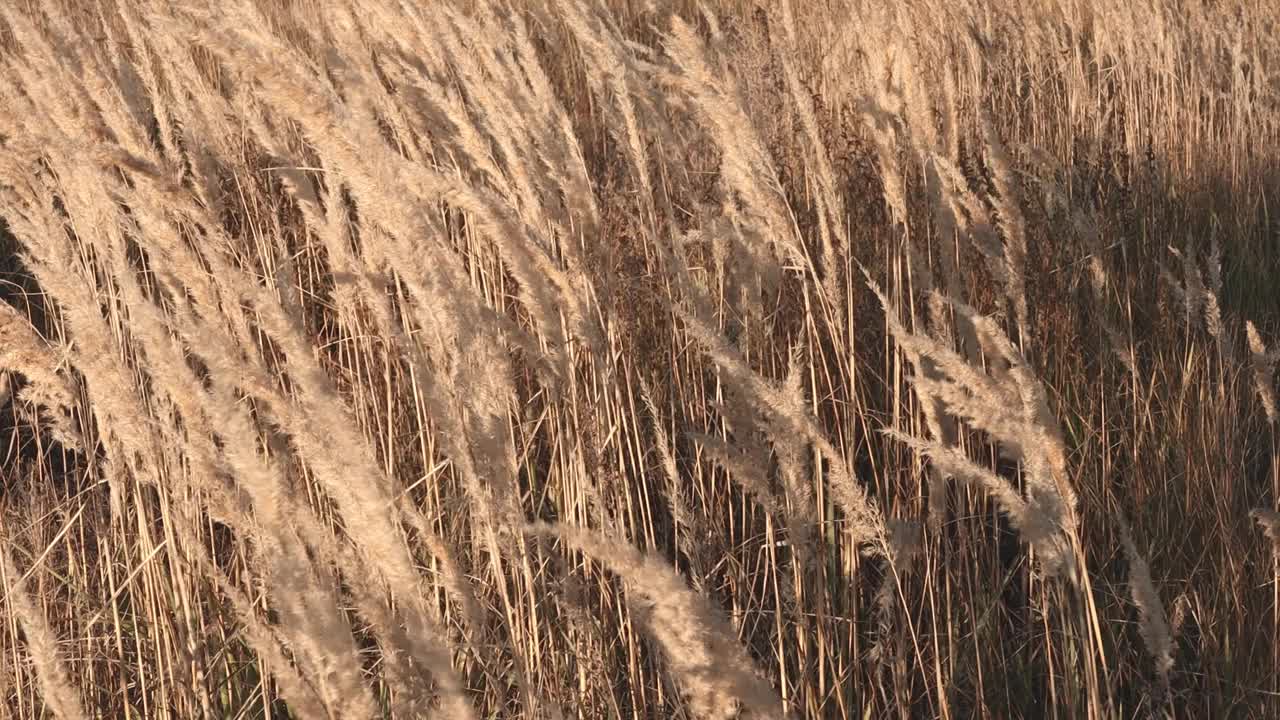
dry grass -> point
(577, 359)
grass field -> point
(618, 359)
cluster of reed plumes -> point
(579, 359)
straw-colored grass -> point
(591, 358)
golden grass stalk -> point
(1269, 522)
(1153, 624)
(715, 672)
(1007, 402)
(1263, 362)
(60, 697)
